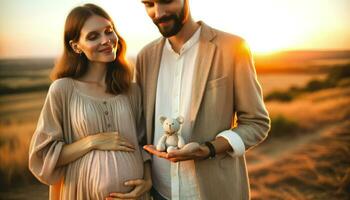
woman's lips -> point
(106, 50)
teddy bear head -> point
(171, 125)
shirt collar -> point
(193, 40)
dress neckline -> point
(96, 98)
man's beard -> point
(175, 28)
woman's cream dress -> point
(69, 115)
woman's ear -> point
(75, 47)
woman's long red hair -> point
(71, 64)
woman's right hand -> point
(110, 141)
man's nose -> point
(159, 11)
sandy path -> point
(271, 151)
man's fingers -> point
(181, 158)
(178, 153)
(175, 153)
(151, 149)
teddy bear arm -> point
(161, 143)
(180, 142)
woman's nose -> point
(106, 40)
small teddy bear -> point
(171, 138)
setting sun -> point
(269, 28)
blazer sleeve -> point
(47, 141)
(253, 122)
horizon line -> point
(133, 55)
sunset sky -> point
(35, 28)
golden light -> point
(268, 29)
(267, 26)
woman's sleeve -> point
(47, 141)
(140, 123)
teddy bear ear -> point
(180, 119)
(162, 119)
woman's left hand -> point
(141, 186)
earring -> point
(78, 51)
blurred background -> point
(302, 56)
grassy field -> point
(305, 156)
(309, 160)
(315, 170)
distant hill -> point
(300, 61)
(25, 64)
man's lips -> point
(164, 23)
(164, 20)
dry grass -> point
(312, 111)
(14, 144)
(282, 82)
(314, 171)
(19, 114)
(312, 164)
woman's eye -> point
(109, 31)
(92, 37)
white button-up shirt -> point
(178, 180)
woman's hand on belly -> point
(141, 186)
(110, 141)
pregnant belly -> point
(110, 170)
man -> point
(207, 77)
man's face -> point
(168, 15)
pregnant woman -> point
(86, 144)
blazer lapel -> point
(151, 88)
(202, 68)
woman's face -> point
(98, 40)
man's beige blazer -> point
(224, 86)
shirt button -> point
(105, 102)
(108, 125)
(106, 112)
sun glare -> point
(268, 41)
(268, 26)
(270, 30)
